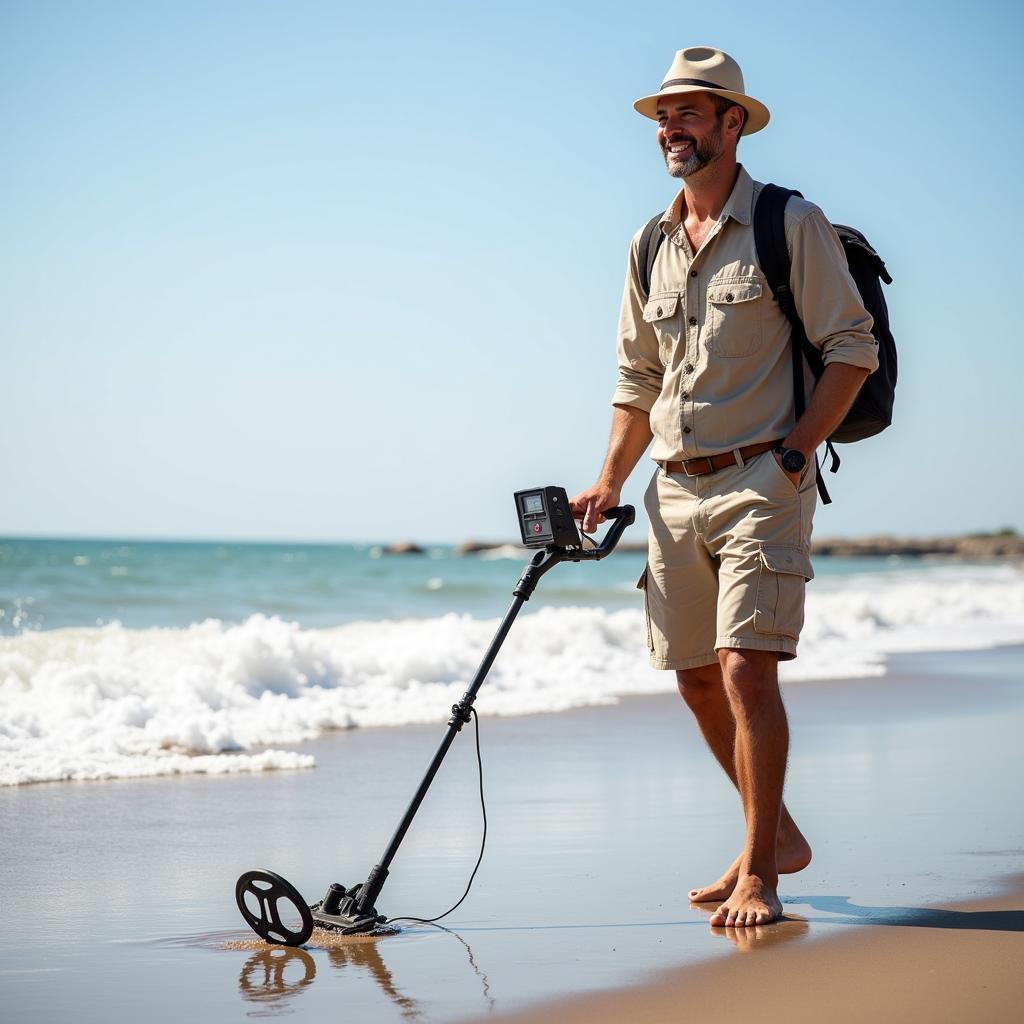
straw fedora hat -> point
(706, 69)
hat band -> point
(691, 81)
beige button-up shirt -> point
(707, 354)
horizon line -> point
(337, 542)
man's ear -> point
(735, 118)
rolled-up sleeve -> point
(640, 367)
(826, 296)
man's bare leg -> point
(703, 689)
(762, 747)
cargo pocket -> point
(785, 570)
(641, 584)
(660, 310)
(734, 317)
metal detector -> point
(545, 522)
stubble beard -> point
(703, 152)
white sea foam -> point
(111, 702)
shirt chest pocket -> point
(661, 312)
(734, 322)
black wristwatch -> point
(792, 460)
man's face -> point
(690, 133)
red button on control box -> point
(536, 527)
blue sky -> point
(318, 271)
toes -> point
(729, 917)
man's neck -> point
(708, 190)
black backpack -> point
(871, 411)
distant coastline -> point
(1002, 544)
(969, 547)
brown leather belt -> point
(713, 463)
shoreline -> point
(291, 757)
(286, 758)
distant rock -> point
(402, 547)
(475, 547)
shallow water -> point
(59, 583)
(120, 899)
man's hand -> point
(794, 477)
(589, 504)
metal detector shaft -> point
(541, 562)
(460, 715)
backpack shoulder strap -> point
(775, 263)
(650, 242)
(772, 250)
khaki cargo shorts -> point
(728, 561)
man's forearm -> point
(833, 395)
(630, 436)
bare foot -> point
(791, 855)
(753, 902)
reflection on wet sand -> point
(759, 937)
(765, 936)
(366, 954)
(263, 978)
(274, 975)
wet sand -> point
(960, 963)
(118, 901)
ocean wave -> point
(111, 702)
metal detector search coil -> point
(546, 518)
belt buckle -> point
(702, 472)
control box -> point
(545, 518)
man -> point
(705, 369)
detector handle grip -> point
(622, 516)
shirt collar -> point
(739, 205)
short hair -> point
(723, 103)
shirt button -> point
(688, 367)
(659, 311)
(686, 430)
(693, 273)
(692, 321)
(728, 297)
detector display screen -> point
(533, 503)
